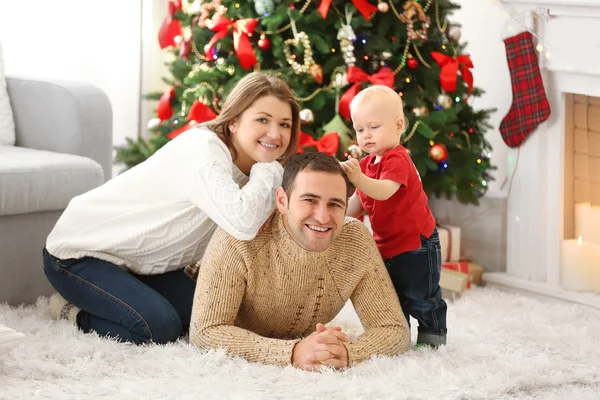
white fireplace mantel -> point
(535, 220)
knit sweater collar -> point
(292, 249)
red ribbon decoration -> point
(328, 143)
(242, 30)
(199, 112)
(171, 27)
(385, 76)
(164, 110)
(450, 67)
(363, 6)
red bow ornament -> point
(199, 112)
(450, 67)
(242, 30)
(385, 76)
(328, 143)
(363, 6)
(170, 28)
(163, 109)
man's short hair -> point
(312, 161)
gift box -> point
(476, 273)
(453, 281)
(450, 242)
(459, 266)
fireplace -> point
(552, 184)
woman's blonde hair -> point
(249, 89)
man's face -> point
(314, 212)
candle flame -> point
(579, 241)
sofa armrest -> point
(62, 116)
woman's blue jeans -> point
(121, 305)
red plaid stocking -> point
(529, 106)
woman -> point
(117, 253)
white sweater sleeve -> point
(238, 211)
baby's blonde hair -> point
(379, 92)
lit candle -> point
(577, 265)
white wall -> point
(93, 41)
(483, 25)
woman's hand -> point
(325, 346)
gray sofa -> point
(63, 149)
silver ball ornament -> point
(153, 123)
(307, 116)
(383, 7)
(454, 33)
(263, 7)
(444, 101)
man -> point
(266, 299)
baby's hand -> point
(352, 169)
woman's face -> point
(262, 133)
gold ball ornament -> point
(421, 112)
(307, 116)
(438, 152)
(444, 101)
(355, 151)
(383, 7)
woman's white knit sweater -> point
(160, 215)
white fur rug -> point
(501, 346)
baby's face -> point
(378, 127)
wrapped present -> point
(453, 281)
(476, 273)
(450, 242)
(459, 266)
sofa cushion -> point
(7, 124)
(35, 180)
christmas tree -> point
(327, 51)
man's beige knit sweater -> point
(258, 298)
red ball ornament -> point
(438, 152)
(264, 43)
(412, 63)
